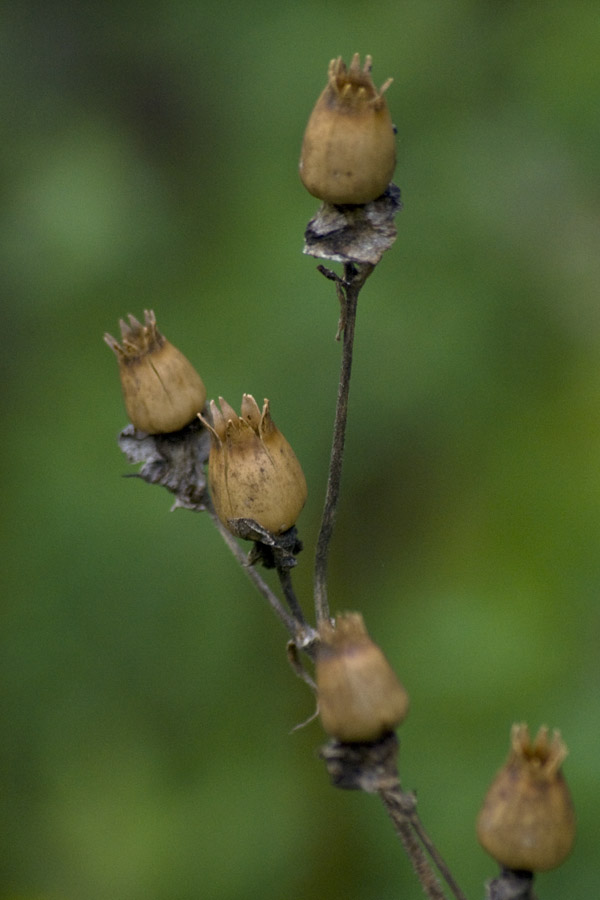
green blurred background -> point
(149, 160)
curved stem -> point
(348, 290)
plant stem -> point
(373, 767)
(285, 579)
(396, 808)
(402, 809)
(348, 290)
(435, 855)
(302, 634)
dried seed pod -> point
(527, 820)
(349, 148)
(162, 390)
(360, 697)
(253, 472)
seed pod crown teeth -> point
(231, 418)
(251, 412)
(218, 422)
(136, 339)
(543, 754)
(355, 84)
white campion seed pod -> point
(349, 149)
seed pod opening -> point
(527, 820)
(349, 149)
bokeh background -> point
(149, 160)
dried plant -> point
(241, 471)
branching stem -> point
(302, 634)
(393, 800)
(435, 855)
(373, 767)
(348, 290)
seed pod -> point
(253, 472)
(349, 147)
(527, 820)
(360, 697)
(162, 390)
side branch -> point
(392, 800)
(302, 634)
(373, 767)
(401, 807)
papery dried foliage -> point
(359, 234)
(510, 885)
(176, 461)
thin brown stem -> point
(303, 635)
(402, 807)
(285, 579)
(348, 290)
(392, 800)
(435, 855)
(373, 767)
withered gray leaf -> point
(175, 461)
(358, 234)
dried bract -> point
(357, 234)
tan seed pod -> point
(162, 390)
(527, 820)
(359, 695)
(349, 148)
(253, 472)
